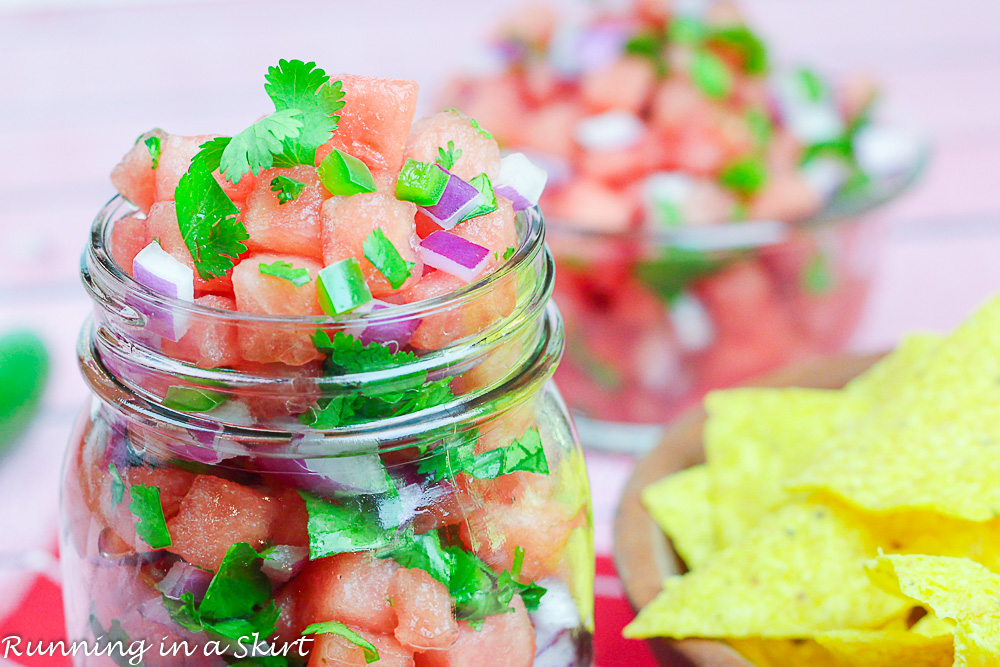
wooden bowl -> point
(643, 553)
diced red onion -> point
(809, 121)
(284, 562)
(558, 168)
(154, 611)
(185, 578)
(560, 651)
(826, 175)
(601, 45)
(212, 449)
(161, 273)
(692, 323)
(458, 199)
(555, 621)
(454, 255)
(350, 474)
(520, 181)
(885, 151)
(610, 131)
(395, 333)
(114, 552)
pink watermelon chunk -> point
(505, 640)
(134, 177)
(423, 606)
(270, 295)
(550, 129)
(480, 153)
(208, 343)
(173, 485)
(293, 529)
(175, 158)
(437, 331)
(161, 226)
(348, 221)
(214, 515)
(493, 101)
(352, 588)
(591, 205)
(374, 122)
(292, 227)
(626, 84)
(128, 237)
(496, 231)
(336, 651)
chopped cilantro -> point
(475, 124)
(298, 85)
(448, 158)
(336, 529)
(208, 223)
(346, 354)
(337, 628)
(150, 525)
(670, 273)
(284, 270)
(117, 486)
(525, 454)
(650, 45)
(687, 30)
(384, 256)
(153, 146)
(288, 188)
(508, 253)
(489, 204)
(745, 176)
(193, 399)
(812, 85)
(760, 127)
(710, 74)
(750, 48)
(209, 155)
(254, 148)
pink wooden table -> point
(82, 81)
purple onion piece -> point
(282, 562)
(160, 272)
(454, 255)
(458, 199)
(154, 611)
(398, 331)
(520, 181)
(507, 192)
(601, 45)
(356, 474)
(185, 578)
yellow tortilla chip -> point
(680, 504)
(887, 648)
(783, 652)
(801, 571)
(954, 588)
(881, 382)
(754, 439)
(932, 626)
(977, 642)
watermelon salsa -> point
(662, 128)
(326, 433)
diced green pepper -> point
(345, 175)
(485, 187)
(421, 183)
(342, 287)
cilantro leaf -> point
(508, 253)
(525, 454)
(676, 268)
(288, 188)
(208, 223)
(238, 588)
(346, 354)
(336, 529)
(337, 628)
(252, 149)
(153, 146)
(117, 486)
(750, 48)
(384, 256)
(150, 525)
(448, 158)
(209, 155)
(193, 399)
(283, 269)
(745, 176)
(710, 74)
(298, 85)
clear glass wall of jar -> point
(430, 508)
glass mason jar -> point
(238, 474)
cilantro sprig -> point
(150, 526)
(524, 454)
(288, 188)
(285, 270)
(341, 630)
(336, 529)
(153, 146)
(380, 251)
(448, 157)
(294, 84)
(254, 148)
(208, 222)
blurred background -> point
(83, 78)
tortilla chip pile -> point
(849, 528)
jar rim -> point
(103, 275)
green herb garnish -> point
(336, 529)
(285, 270)
(676, 268)
(525, 454)
(117, 486)
(485, 187)
(337, 628)
(745, 176)
(193, 399)
(751, 49)
(303, 86)
(760, 127)
(448, 158)
(288, 188)
(254, 148)
(380, 251)
(710, 74)
(812, 85)
(153, 146)
(208, 222)
(508, 253)
(150, 525)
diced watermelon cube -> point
(374, 122)
(591, 205)
(625, 84)
(348, 221)
(128, 237)
(293, 529)
(173, 485)
(505, 640)
(423, 606)
(787, 196)
(161, 226)
(259, 293)
(550, 129)
(292, 227)
(480, 153)
(437, 331)
(175, 158)
(134, 177)
(352, 588)
(495, 102)
(496, 231)
(335, 651)
(209, 342)
(216, 514)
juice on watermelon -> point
(336, 444)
